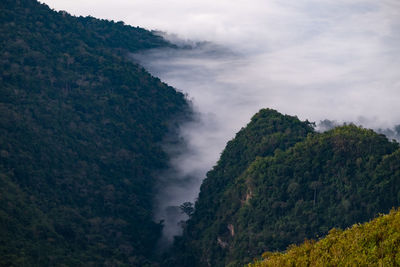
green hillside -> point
(80, 133)
(267, 131)
(296, 191)
(81, 128)
(376, 243)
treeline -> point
(80, 133)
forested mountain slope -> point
(80, 133)
(332, 179)
(267, 131)
(376, 243)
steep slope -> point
(333, 179)
(80, 133)
(328, 180)
(267, 131)
(376, 243)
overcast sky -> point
(317, 59)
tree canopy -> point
(80, 133)
(375, 243)
(299, 186)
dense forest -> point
(375, 243)
(80, 134)
(279, 182)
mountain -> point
(81, 128)
(375, 243)
(267, 131)
(278, 182)
(81, 132)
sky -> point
(316, 59)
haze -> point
(322, 59)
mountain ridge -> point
(81, 128)
(325, 180)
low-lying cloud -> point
(317, 59)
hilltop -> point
(290, 184)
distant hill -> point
(278, 182)
(376, 243)
(80, 134)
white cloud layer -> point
(342, 52)
(317, 59)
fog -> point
(221, 108)
(333, 60)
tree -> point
(187, 208)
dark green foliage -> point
(328, 180)
(267, 132)
(80, 128)
(334, 179)
(187, 208)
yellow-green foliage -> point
(376, 243)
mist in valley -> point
(331, 62)
(227, 86)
